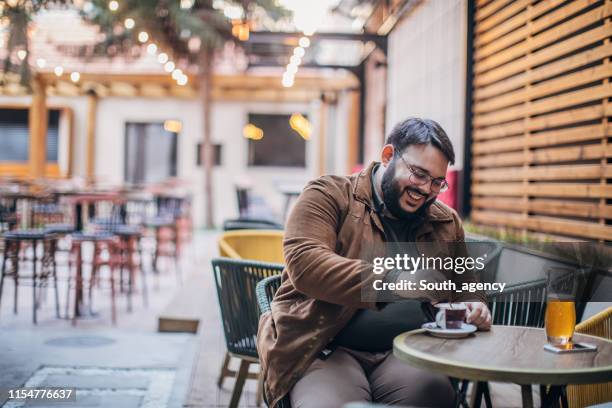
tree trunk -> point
(205, 78)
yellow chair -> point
(591, 394)
(257, 245)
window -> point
(279, 146)
(15, 135)
(150, 153)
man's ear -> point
(386, 155)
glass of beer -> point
(560, 319)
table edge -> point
(519, 376)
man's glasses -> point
(420, 178)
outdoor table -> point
(79, 199)
(511, 354)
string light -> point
(113, 5)
(292, 69)
(22, 54)
(182, 80)
(58, 71)
(75, 76)
(295, 60)
(176, 74)
(287, 81)
(304, 42)
(152, 49)
(129, 23)
(169, 66)
(41, 62)
(162, 58)
(299, 52)
(143, 37)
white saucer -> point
(465, 330)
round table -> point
(508, 354)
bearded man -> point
(324, 344)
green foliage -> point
(18, 14)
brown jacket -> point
(332, 229)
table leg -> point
(527, 396)
(78, 299)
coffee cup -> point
(450, 315)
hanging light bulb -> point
(113, 5)
(176, 74)
(299, 51)
(169, 66)
(295, 60)
(162, 58)
(59, 70)
(41, 62)
(75, 76)
(182, 80)
(152, 49)
(304, 42)
(22, 54)
(129, 23)
(143, 37)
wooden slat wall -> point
(542, 116)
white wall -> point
(426, 75)
(228, 119)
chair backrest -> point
(236, 282)
(265, 292)
(258, 245)
(491, 251)
(522, 304)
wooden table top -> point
(507, 354)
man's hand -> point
(478, 315)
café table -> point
(511, 354)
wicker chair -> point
(236, 282)
(583, 395)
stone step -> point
(184, 311)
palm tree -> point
(192, 30)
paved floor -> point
(128, 365)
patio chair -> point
(489, 249)
(266, 289)
(258, 245)
(521, 304)
(236, 282)
(586, 395)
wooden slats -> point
(540, 151)
(543, 190)
(544, 156)
(544, 139)
(544, 206)
(543, 39)
(545, 224)
(543, 56)
(545, 71)
(562, 172)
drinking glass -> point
(560, 319)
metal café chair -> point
(266, 289)
(521, 304)
(236, 282)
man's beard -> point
(392, 193)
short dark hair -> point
(420, 132)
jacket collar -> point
(362, 191)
